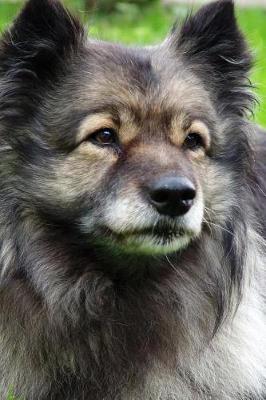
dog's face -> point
(136, 157)
(123, 146)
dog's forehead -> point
(143, 79)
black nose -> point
(172, 196)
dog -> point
(132, 209)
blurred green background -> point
(148, 21)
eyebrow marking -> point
(180, 128)
(93, 123)
(200, 127)
(177, 129)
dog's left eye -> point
(193, 141)
(104, 137)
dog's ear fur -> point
(35, 52)
(39, 39)
(211, 41)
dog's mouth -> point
(162, 233)
(159, 239)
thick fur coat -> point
(102, 296)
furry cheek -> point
(217, 205)
(82, 171)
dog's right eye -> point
(104, 137)
(193, 141)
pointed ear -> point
(42, 35)
(212, 42)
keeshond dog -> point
(132, 209)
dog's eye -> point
(193, 141)
(104, 137)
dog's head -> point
(129, 148)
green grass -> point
(131, 24)
(253, 24)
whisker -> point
(171, 264)
(261, 190)
(218, 226)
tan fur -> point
(92, 124)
